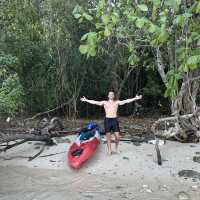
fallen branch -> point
(49, 111)
(12, 145)
(37, 154)
(52, 154)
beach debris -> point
(163, 187)
(137, 127)
(136, 143)
(62, 140)
(189, 174)
(145, 188)
(37, 154)
(160, 142)
(195, 187)
(52, 154)
(179, 127)
(125, 158)
(52, 160)
(89, 196)
(196, 159)
(183, 196)
(159, 159)
(9, 146)
(8, 119)
(118, 187)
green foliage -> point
(143, 7)
(172, 89)
(41, 67)
(11, 96)
(151, 25)
(11, 91)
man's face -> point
(111, 95)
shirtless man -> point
(111, 122)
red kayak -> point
(84, 146)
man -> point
(111, 122)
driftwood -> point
(28, 137)
(46, 130)
(159, 158)
(9, 146)
(178, 127)
(37, 154)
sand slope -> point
(132, 174)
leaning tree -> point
(168, 32)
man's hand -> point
(138, 97)
(98, 103)
(130, 100)
(83, 99)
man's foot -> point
(109, 152)
(117, 151)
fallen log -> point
(24, 136)
(182, 128)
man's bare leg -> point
(108, 137)
(117, 138)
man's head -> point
(111, 95)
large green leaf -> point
(87, 16)
(131, 17)
(77, 10)
(105, 19)
(197, 7)
(156, 2)
(163, 36)
(153, 28)
(143, 7)
(133, 59)
(193, 61)
(101, 4)
(83, 49)
(179, 20)
(92, 51)
(77, 15)
(140, 22)
(107, 31)
(115, 18)
(84, 37)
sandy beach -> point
(132, 174)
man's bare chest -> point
(111, 106)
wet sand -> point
(132, 174)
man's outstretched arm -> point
(129, 100)
(98, 103)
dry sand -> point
(132, 174)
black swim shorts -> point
(111, 124)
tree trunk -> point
(184, 104)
